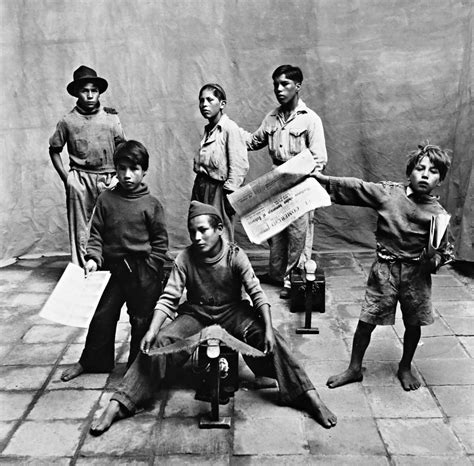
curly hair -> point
(437, 156)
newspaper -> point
(75, 298)
(270, 203)
(438, 228)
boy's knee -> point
(365, 328)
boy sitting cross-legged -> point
(213, 272)
(404, 263)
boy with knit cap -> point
(129, 238)
(213, 272)
(91, 133)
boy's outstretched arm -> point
(264, 310)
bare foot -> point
(348, 376)
(72, 372)
(315, 407)
(114, 412)
(407, 379)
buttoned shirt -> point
(286, 138)
(223, 154)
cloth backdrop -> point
(384, 75)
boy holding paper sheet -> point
(129, 238)
(404, 263)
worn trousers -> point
(288, 248)
(146, 373)
(139, 286)
(82, 191)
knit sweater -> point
(403, 222)
(212, 283)
(128, 223)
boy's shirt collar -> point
(141, 190)
(220, 124)
(423, 197)
(214, 259)
(301, 107)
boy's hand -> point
(323, 179)
(227, 206)
(430, 260)
(91, 266)
(148, 340)
(269, 341)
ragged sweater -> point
(128, 223)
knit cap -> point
(198, 208)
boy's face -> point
(285, 89)
(424, 177)
(205, 238)
(129, 175)
(88, 95)
(209, 104)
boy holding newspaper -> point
(409, 220)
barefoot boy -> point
(129, 238)
(91, 133)
(401, 271)
(213, 272)
(287, 130)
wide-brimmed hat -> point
(82, 75)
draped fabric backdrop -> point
(383, 75)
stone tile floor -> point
(46, 421)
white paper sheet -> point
(273, 201)
(75, 298)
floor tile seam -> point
(86, 423)
(388, 455)
(38, 393)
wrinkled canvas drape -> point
(383, 75)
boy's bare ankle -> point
(113, 412)
(407, 378)
(350, 375)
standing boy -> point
(286, 131)
(213, 272)
(404, 263)
(129, 238)
(91, 133)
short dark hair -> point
(291, 72)
(216, 89)
(133, 151)
(437, 156)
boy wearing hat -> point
(213, 272)
(91, 133)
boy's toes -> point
(408, 380)
(72, 372)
